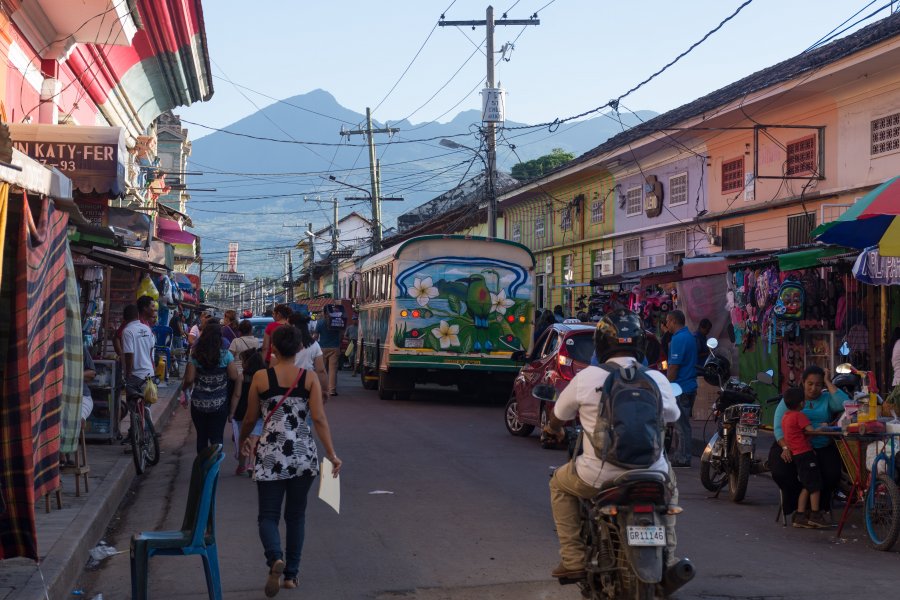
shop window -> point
(634, 201)
(516, 232)
(597, 215)
(678, 189)
(733, 237)
(799, 228)
(802, 157)
(631, 252)
(733, 174)
(566, 220)
(885, 134)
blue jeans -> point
(270, 494)
(682, 453)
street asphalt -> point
(439, 502)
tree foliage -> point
(531, 169)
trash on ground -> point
(100, 552)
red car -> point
(562, 351)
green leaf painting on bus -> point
(464, 305)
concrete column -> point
(48, 113)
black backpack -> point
(630, 427)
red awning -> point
(170, 231)
(703, 266)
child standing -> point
(795, 424)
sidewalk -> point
(65, 537)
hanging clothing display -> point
(73, 364)
(4, 202)
(33, 371)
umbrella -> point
(874, 220)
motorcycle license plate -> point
(646, 536)
(749, 430)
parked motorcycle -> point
(730, 454)
(624, 533)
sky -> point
(583, 53)
(392, 57)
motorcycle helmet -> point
(716, 370)
(848, 382)
(619, 331)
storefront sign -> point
(874, 269)
(93, 209)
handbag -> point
(284, 397)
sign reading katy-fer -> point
(67, 156)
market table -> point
(851, 446)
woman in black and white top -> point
(286, 457)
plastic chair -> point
(164, 336)
(196, 536)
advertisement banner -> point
(232, 257)
(872, 268)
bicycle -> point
(142, 434)
(882, 502)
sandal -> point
(290, 583)
(273, 581)
(240, 470)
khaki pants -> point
(566, 490)
(330, 357)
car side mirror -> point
(544, 392)
(519, 356)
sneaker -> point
(800, 520)
(240, 470)
(273, 581)
(817, 521)
(290, 583)
(563, 572)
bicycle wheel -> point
(883, 513)
(151, 441)
(137, 441)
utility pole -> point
(312, 260)
(290, 276)
(491, 131)
(334, 245)
(373, 172)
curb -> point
(63, 564)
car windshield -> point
(581, 346)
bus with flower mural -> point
(444, 309)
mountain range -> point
(268, 169)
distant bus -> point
(445, 309)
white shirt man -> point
(138, 341)
(566, 486)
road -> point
(440, 502)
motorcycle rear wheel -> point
(739, 477)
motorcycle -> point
(623, 529)
(730, 454)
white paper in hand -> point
(329, 486)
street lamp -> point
(489, 184)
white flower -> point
(446, 334)
(423, 291)
(499, 302)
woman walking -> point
(310, 355)
(286, 455)
(209, 372)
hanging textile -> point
(32, 385)
(4, 202)
(73, 364)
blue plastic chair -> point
(164, 336)
(196, 536)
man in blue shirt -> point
(330, 342)
(683, 371)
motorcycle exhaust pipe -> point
(677, 575)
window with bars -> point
(676, 246)
(539, 227)
(631, 253)
(801, 156)
(886, 134)
(799, 228)
(733, 174)
(597, 211)
(733, 237)
(565, 221)
(516, 234)
(678, 189)
(634, 201)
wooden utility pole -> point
(491, 132)
(373, 172)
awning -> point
(123, 260)
(805, 259)
(653, 275)
(170, 231)
(95, 235)
(93, 157)
(703, 266)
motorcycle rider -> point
(620, 340)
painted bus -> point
(445, 309)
